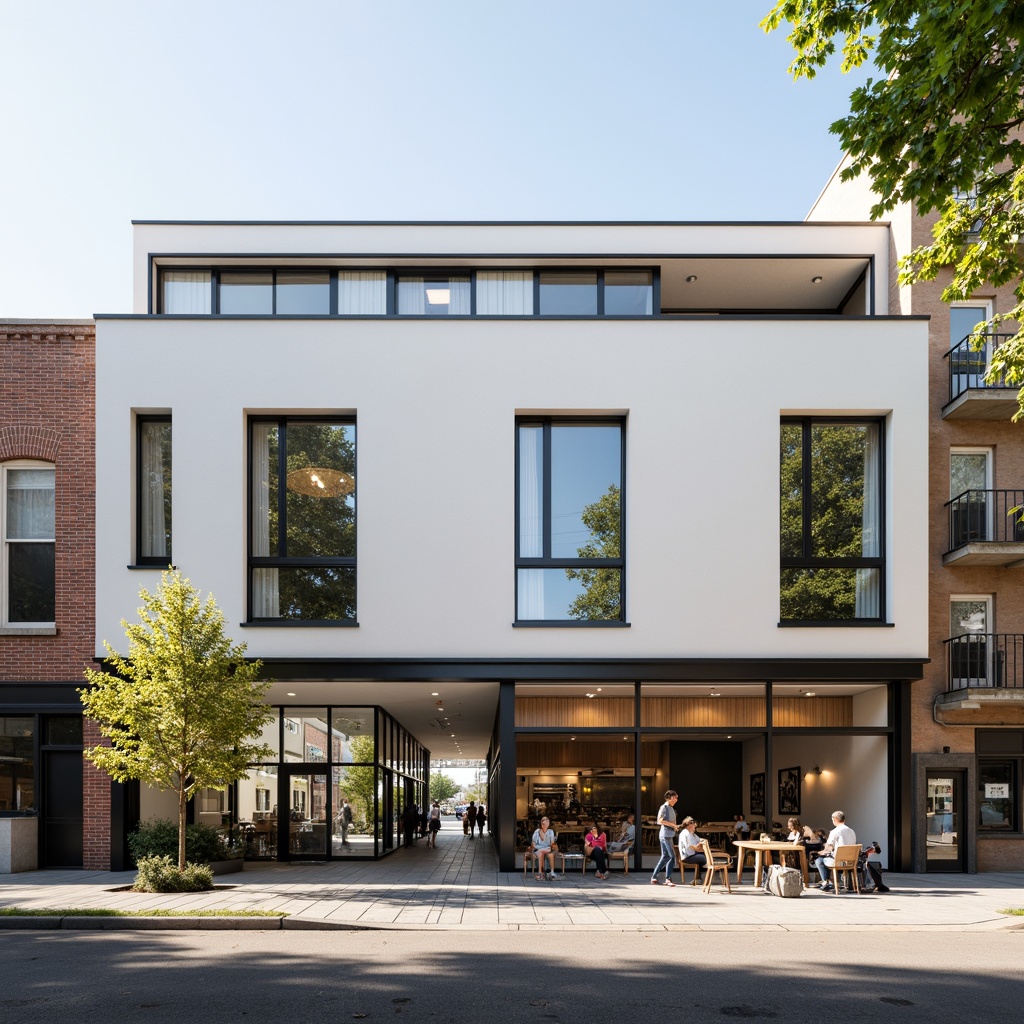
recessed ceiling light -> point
(817, 279)
(809, 693)
(289, 694)
(691, 278)
(435, 695)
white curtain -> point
(531, 520)
(265, 592)
(459, 297)
(412, 298)
(867, 601)
(504, 293)
(362, 291)
(30, 507)
(153, 517)
(186, 291)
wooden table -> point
(763, 854)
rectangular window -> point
(186, 291)
(302, 549)
(434, 296)
(568, 294)
(247, 292)
(628, 293)
(833, 570)
(153, 449)
(997, 795)
(504, 293)
(569, 515)
(17, 763)
(299, 292)
(27, 527)
(362, 292)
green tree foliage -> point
(442, 787)
(183, 709)
(600, 597)
(940, 128)
(361, 779)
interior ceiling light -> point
(691, 278)
(439, 296)
(320, 482)
(809, 693)
(591, 694)
(435, 695)
(817, 279)
(289, 694)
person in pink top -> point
(596, 848)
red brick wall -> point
(47, 411)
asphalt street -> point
(456, 976)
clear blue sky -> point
(384, 109)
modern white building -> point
(619, 507)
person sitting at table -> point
(595, 846)
(626, 836)
(544, 847)
(690, 849)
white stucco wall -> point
(435, 403)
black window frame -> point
(546, 560)
(163, 561)
(808, 561)
(284, 561)
(394, 274)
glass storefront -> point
(336, 786)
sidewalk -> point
(458, 886)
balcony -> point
(970, 397)
(985, 680)
(983, 531)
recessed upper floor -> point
(574, 270)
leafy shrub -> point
(158, 837)
(161, 874)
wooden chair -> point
(622, 854)
(682, 867)
(845, 861)
(716, 862)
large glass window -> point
(569, 551)
(27, 529)
(300, 292)
(568, 294)
(17, 763)
(831, 521)
(247, 292)
(303, 520)
(362, 292)
(628, 293)
(504, 293)
(434, 296)
(186, 291)
(154, 490)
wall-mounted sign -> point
(997, 791)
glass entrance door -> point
(304, 793)
(944, 817)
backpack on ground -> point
(783, 881)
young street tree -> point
(940, 129)
(184, 709)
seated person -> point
(690, 850)
(626, 836)
(545, 847)
(595, 846)
(841, 835)
(872, 869)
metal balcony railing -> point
(985, 516)
(985, 660)
(967, 367)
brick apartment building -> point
(54, 810)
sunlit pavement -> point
(457, 885)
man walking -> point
(471, 817)
(667, 836)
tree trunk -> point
(181, 826)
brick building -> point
(53, 809)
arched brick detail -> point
(29, 443)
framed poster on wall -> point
(757, 794)
(789, 790)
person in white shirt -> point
(841, 835)
(626, 835)
(690, 849)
